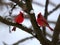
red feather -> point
(18, 19)
(42, 21)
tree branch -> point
(58, 6)
(22, 5)
(22, 40)
(45, 15)
(37, 29)
(17, 25)
(56, 32)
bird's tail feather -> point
(50, 28)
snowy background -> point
(13, 37)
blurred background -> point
(38, 6)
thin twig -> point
(22, 40)
(58, 6)
(12, 10)
(10, 13)
(45, 15)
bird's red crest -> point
(39, 15)
(21, 13)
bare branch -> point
(58, 6)
(56, 32)
(22, 40)
(45, 15)
(53, 22)
(17, 25)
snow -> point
(23, 2)
(32, 11)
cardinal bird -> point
(18, 19)
(42, 21)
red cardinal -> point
(42, 21)
(18, 19)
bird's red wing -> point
(45, 21)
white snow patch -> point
(32, 11)
(19, 0)
(23, 2)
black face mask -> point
(38, 16)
